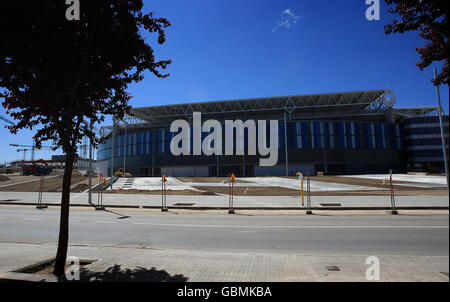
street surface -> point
(411, 247)
(395, 235)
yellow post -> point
(302, 193)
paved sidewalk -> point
(147, 264)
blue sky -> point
(240, 49)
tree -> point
(59, 76)
(430, 17)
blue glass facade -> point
(423, 143)
(307, 135)
(139, 143)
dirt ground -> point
(4, 178)
(80, 184)
(278, 191)
(52, 184)
(252, 191)
(366, 182)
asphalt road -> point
(330, 235)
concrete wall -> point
(280, 170)
(185, 171)
(83, 163)
(102, 167)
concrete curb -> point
(226, 208)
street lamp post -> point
(442, 128)
(125, 151)
(90, 167)
(285, 146)
(125, 147)
(112, 146)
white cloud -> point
(288, 19)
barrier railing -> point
(41, 190)
(308, 196)
(379, 191)
(304, 191)
(102, 185)
(164, 194)
(391, 189)
(231, 196)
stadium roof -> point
(369, 101)
(364, 105)
(417, 111)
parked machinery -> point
(38, 167)
(120, 173)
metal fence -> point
(379, 191)
(309, 193)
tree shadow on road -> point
(138, 274)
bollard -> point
(41, 189)
(100, 206)
(391, 186)
(308, 195)
(231, 196)
(300, 177)
(163, 194)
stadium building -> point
(334, 133)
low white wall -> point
(102, 167)
(280, 170)
(185, 171)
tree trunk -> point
(63, 239)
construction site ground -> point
(243, 187)
(52, 182)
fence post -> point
(41, 189)
(391, 186)
(231, 196)
(163, 194)
(308, 196)
(101, 182)
(300, 177)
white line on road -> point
(32, 219)
(296, 227)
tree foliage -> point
(430, 18)
(59, 76)
(57, 72)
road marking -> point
(32, 219)
(105, 222)
(296, 227)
